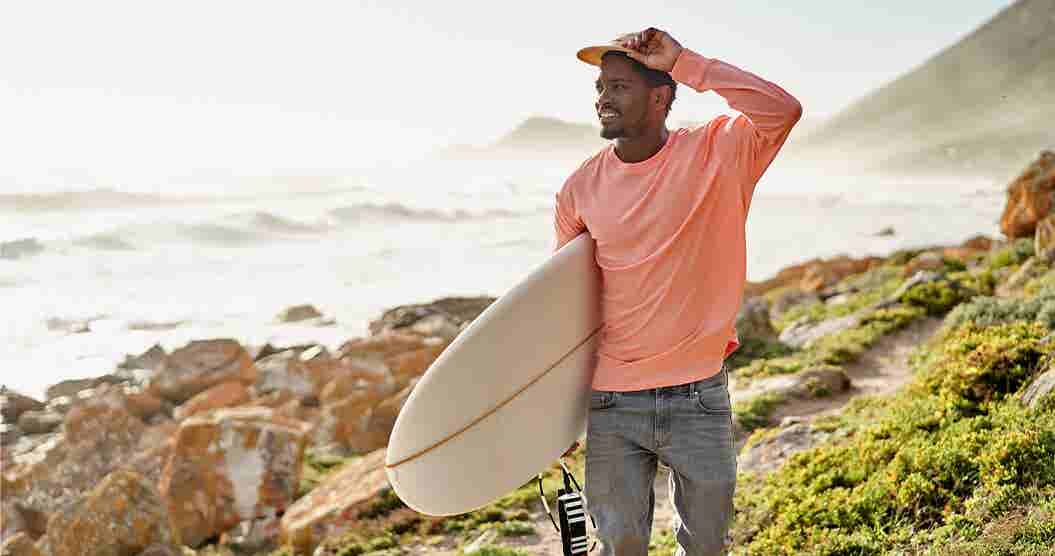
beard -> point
(614, 131)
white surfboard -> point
(507, 397)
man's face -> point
(622, 99)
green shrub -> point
(905, 468)
(1013, 254)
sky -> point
(106, 92)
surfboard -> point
(508, 396)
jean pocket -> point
(600, 399)
(714, 400)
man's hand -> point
(652, 47)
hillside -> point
(537, 136)
(982, 106)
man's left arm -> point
(769, 112)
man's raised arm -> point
(769, 112)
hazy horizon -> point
(113, 92)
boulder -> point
(752, 321)
(1029, 197)
(1030, 269)
(230, 466)
(775, 447)
(225, 394)
(352, 379)
(39, 422)
(298, 313)
(303, 373)
(149, 359)
(407, 366)
(74, 386)
(802, 333)
(927, 260)
(810, 383)
(346, 422)
(444, 317)
(9, 434)
(334, 506)
(122, 516)
(790, 298)
(162, 550)
(921, 277)
(19, 544)
(11, 520)
(1044, 239)
(96, 439)
(13, 405)
(979, 242)
(1041, 386)
(200, 365)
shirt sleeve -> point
(566, 222)
(768, 113)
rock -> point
(1041, 386)
(921, 277)
(122, 516)
(13, 405)
(819, 275)
(770, 452)
(1044, 239)
(19, 544)
(407, 366)
(149, 359)
(928, 260)
(253, 536)
(752, 321)
(11, 520)
(353, 379)
(162, 550)
(334, 506)
(155, 446)
(382, 419)
(1029, 270)
(200, 365)
(811, 383)
(485, 539)
(298, 313)
(61, 404)
(981, 243)
(444, 317)
(39, 422)
(346, 421)
(16, 249)
(226, 394)
(885, 232)
(9, 434)
(295, 372)
(1029, 197)
(74, 386)
(230, 466)
(96, 438)
(788, 299)
(802, 333)
(68, 326)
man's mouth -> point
(607, 115)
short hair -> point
(653, 78)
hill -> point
(981, 106)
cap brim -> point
(592, 54)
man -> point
(667, 211)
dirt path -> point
(881, 370)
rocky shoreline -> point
(219, 446)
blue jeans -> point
(687, 427)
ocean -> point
(88, 276)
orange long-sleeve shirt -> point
(669, 231)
